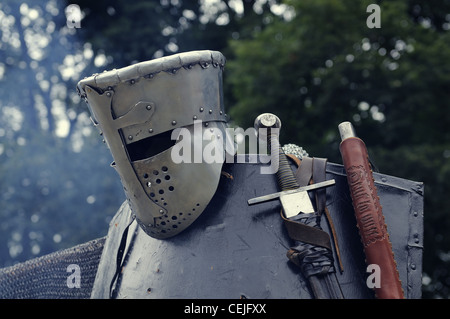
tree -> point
(51, 164)
(130, 32)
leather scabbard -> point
(369, 217)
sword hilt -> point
(270, 122)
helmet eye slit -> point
(150, 146)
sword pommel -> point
(267, 124)
(267, 120)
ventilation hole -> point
(158, 181)
(161, 191)
(174, 226)
(163, 231)
(181, 214)
(152, 194)
(155, 172)
(171, 188)
(165, 204)
(164, 169)
(198, 204)
(174, 217)
(163, 223)
(145, 175)
(167, 177)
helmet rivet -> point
(206, 124)
(130, 137)
(220, 112)
(210, 111)
(202, 109)
(161, 211)
(174, 122)
(108, 94)
(195, 117)
(149, 107)
(150, 130)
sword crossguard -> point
(293, 201)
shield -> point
(237, 251)
(232, 251)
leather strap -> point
(309, 168)
(319, 175)
(307, 234)
(312, 252)
(300, 231)
(304, 171)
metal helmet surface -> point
(141, 110)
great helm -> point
(137, 108)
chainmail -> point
(46, 277)
(295, 150)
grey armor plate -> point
(234, 250)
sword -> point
(294, 201)
(312, 255)
(368, 212)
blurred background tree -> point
(56, 189)
(314, 63)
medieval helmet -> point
(139, 110)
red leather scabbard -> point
(369, 217)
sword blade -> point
(273, 196)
